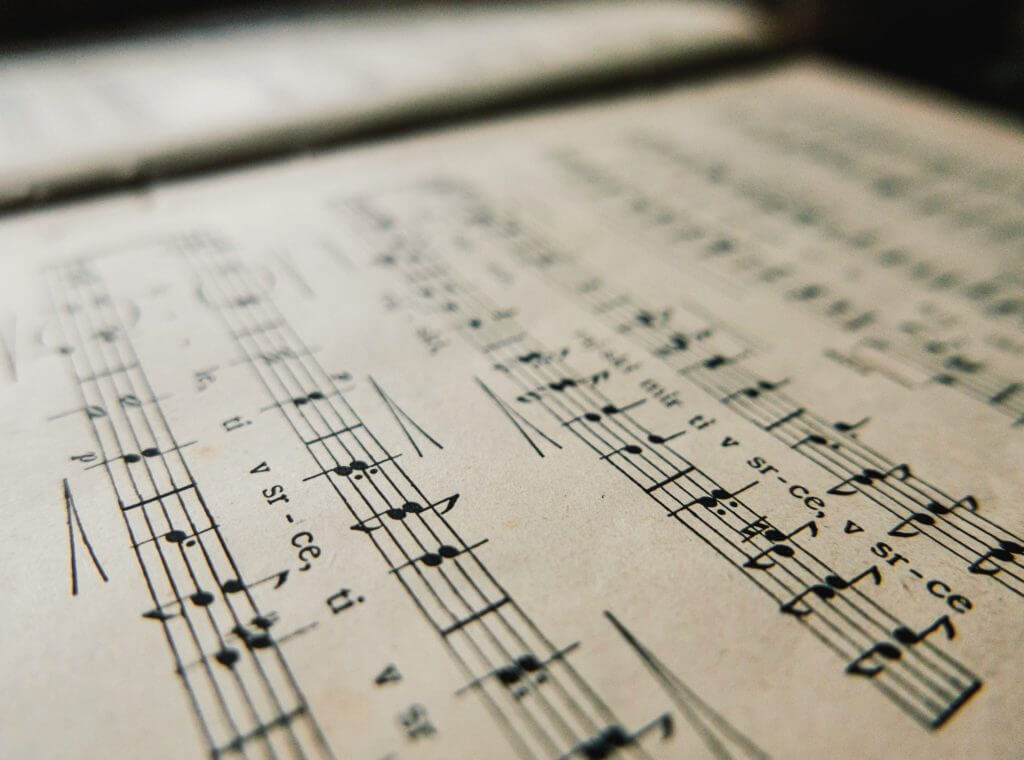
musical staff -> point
(477, 619)
(717, 365)
(244, 700)
(691, 234)
(924, 683)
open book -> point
(98, 115)
(675, 423)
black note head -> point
(1001, 554)
(529, 662)
(227, 657)
(509, 674)
(890, 651)
(836, 582)
(904, 635)
(823, 592)
(867, 477)
(1012, 547)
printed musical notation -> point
(479, 445)
(847, 619)
(715, 360)
(540, 700)
(693, 234)
(238, 682)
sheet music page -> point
(685, 425)
(103, 113)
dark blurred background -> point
(973, 48)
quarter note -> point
(850, 427)
(655, 438)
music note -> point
(531, 357)
(885, 650)
(868, 477)
(905, 635)
(762, 386)
(202, 598)
(901, 531)
(445, 551)
(709, 501)
(968, 502)
(676, 342)
(778, 548)
(850, 427)
(889, 651)
(235, 585)
(1005, 552)
(561, 385)
(827, 590)
(403, 511)
(259, 639)
(655, 438)
(814, 438)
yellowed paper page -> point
(677, 426)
